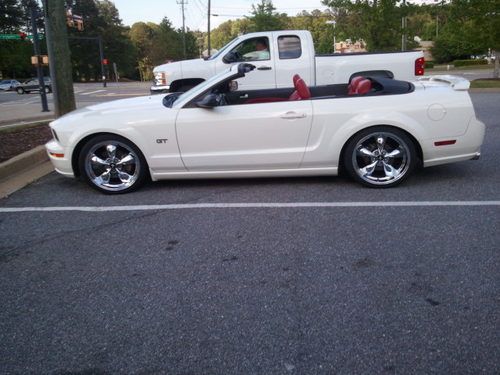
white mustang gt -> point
(377, 129)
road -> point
(285, 290)
(28, 106)
(84, 93)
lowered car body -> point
(378, 129)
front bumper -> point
(62, 164)
(159, 89)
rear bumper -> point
(467, 147)
(159, 89)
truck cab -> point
(278, 55)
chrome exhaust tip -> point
(477, 156)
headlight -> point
(161, 78)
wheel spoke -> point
(394, 153)
(124, 177)
(390, 171)
(126, 160)
(97, 160)
(105, 177)
(365, 152)
(368, 170)
(111, 149)
(380, 143)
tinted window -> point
(289, 47)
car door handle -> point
(244, 96)
(291, 115)
(264, 68)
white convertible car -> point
(376, 129)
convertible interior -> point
(358, 86)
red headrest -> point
(353, 85)
(302, 89)
(364, 86)
(296, 77)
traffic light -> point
(23, 36)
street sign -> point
(18, 37)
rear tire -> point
(380, 157)
(112, 164)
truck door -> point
(293, 56)
(257, 51)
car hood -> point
(124, 111)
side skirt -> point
(299, 172)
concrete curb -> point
(23, 125)
(27, 121)
(21, 162)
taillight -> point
(419, 66)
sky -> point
(132, 11)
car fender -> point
(363, 121)
(330, 149)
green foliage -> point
(264, 17)
(16, 59)
(468, 62)
(429, 65)
(377, 22)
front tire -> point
(380, 157)
(112, 164)
(20, 90)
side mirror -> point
(209, 101)
(231, 57)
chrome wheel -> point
(112, 166)
(380, 157)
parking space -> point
(269, 276)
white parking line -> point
(162, 207)
(92, 92)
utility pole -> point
(59, 56)
(403, 27)
(39, 70)
(208, 28)
(182, 3)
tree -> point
(375, 21)
(315, 23)
(264, 17)
(472, 28)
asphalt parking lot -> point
(359, 283)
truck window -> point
(289, 47)
(255, 49)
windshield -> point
(201, 87)
(219, 52)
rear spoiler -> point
(457, 83)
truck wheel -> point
(380, 157)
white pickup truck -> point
(278, 55)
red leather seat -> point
(353, 85)
(364, 87)
(301, 91)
